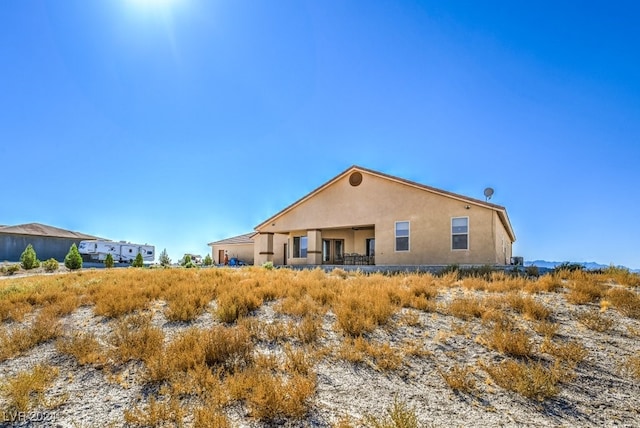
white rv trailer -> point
(123, 252)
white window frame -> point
(395, 234)
(454, 234)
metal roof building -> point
(47, 241)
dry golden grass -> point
(466, 308)
(627, 302)
(459, 378)
(547, 329)
(509, 340)
(45, 327)
(156, 414)
(134, 338)
(528, 378)
(199, 373)
(632, 366)
(272, 396)
(594, 320)
(381, 356)
(26, 389)
(399, 415)
(360, 310)
(585, 289)
(570, 353)
(84, 347)
(236, 303)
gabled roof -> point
(502, 212)
(240, 239)
(37, 229)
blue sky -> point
(182, 122)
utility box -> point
(517, 261)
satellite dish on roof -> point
(488, 193)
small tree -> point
(164, 258)
(138, 262)
(28, 259)
(73, 259)
(208, 261)
(108, 261)
(186, 260)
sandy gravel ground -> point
(602, 393)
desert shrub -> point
(11, 269)
(594, 320)
(134, 338)
(357, 314)
(625, 301)
(156, 414)
(532, 271)
(546, 328)
(309, 329)
(459, 378)
(632, 365)
(378, 355)
(50, 265)
(229, 348)
(108, 261)
(26, 389)
(268, 265)
(84, 347)
(208, 416)
(508, 340)
(548, 283)
(73, 259)
(138, 261)
(466, 308)
(585, 290)
(528, 306)
(399, 415)
(528, 378)
(236, 304)
(570, 353)
(568, 267)
(271, 397)
(186, 303)
(164, 258)
(28, 259)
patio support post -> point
(314, 251)
(264, 248)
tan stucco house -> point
(363, 216)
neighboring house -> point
(367, 217)
(47, 241)
(240, 247)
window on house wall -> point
(460, 233)
(402, 236)
(299, 246)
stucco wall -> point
(243, 252)
(380, 202)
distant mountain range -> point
(588, 265)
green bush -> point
(186, 260)
(532, 271)
(50, 265)
(138, 262)
(208, 261)
(108, 261)
(567, 266)
(11, 269)
(268, 265)
(73, 259)
(28, 259)
(164, 258)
